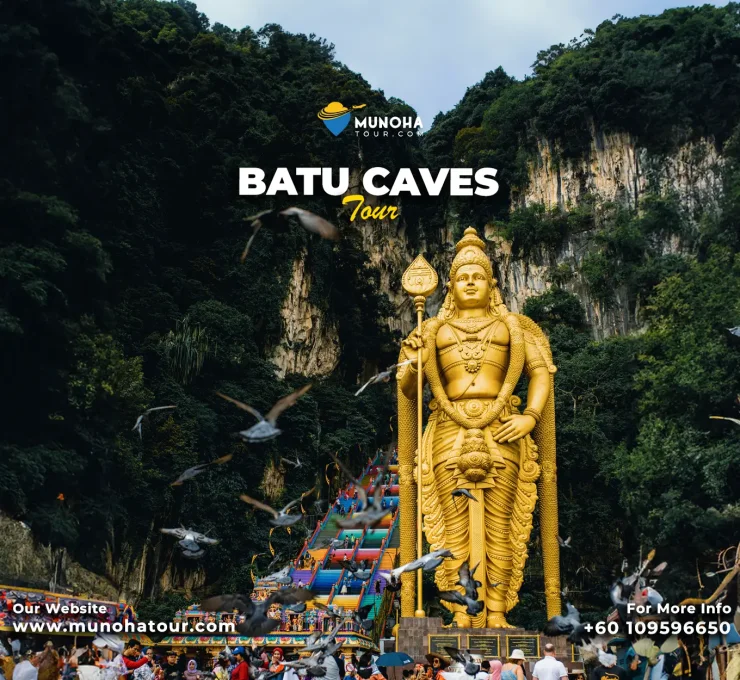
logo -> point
(336, 116)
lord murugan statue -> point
(474, 353)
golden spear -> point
(419, 280)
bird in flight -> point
(308, 220)
(280, 518)
(140, 420)
(194, 471)
(383, 376)
(265, 428)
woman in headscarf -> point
(192, 673)
(496, 667)
(276, 663)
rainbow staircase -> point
(378, 547)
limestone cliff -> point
(24, 561)
(309, 344)
(615, 169)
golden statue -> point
(474, 352)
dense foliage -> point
(121, 289)
(664, 79)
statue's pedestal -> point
(418, 637)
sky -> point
(428, 52)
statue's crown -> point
(471, 250)
(470, 238)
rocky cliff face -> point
(615, 169)
(26, 562)
(309, 345)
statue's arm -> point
(407, 375)
(539, 378)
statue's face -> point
(471, 288)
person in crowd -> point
(68, 664)
(276, 663)
(192, 672)
(27, 669)
(15, 647)
(437, 664)
(8, 665)
(513, 669)
(147, 671)
(332, 670)
(548, 667)
(169, 669)
(49, 663)
(4, 655)
(241, 670)
(608, 669)
(495, 669)
(131, 656)
(340, 664)
(221, 669)
(484, 672)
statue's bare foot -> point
(462, 620)
(497, 620)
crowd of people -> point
(513, 667)
(137, 663)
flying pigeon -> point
(383, 376)
(281, 577)
(464, 492)
(360, 617)
(372, 512)
(266, 428)
(279, 518)
(427, 562)
(470, 599)
(308, 220)
(140, 420)
(465, 658)
(194, 471)
(569, 625)
(732, 420)
(190, 540)
(295, 463)
(257, 623)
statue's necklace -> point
(474, 325)
(471, 347)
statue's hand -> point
(514, 427)
(412, 344)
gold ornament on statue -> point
(419, 280)
(475, 459)
(473, 354)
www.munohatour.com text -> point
(174, 627)
(92, 626)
